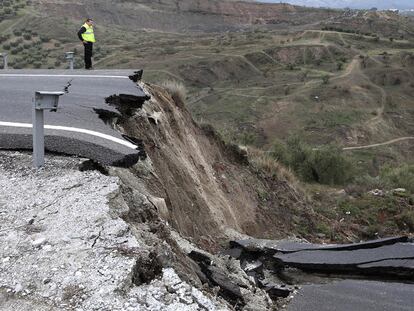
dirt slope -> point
(211, 191)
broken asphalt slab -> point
(381, 261)
(289, 246)
(388, 258)
(87, 94)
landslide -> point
(212, 191)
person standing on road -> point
(87, 36)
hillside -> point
(355, 4)
(259, 73)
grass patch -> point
(177, 90)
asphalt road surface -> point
(84, 134)
(354, 295)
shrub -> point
(177, 91)
(246, 138)
(57, 44)
(170, 50)
(406, 219)
(269, 167)
(280, 152)
(329, 166)
(325, 79)
(326, 165)
(44, 39)
(27, 36)
(6, 47)
(400, 177)
(17, 32)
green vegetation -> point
(326, 165)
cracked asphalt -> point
(88, 90)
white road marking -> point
(73, 129)
(6, 75)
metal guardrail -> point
(4, 56)
(42, 101)
(70, 56)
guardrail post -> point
(4, 55)
(42, 101)
(70, 56)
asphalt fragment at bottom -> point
(355, 295)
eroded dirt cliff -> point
(205, 189)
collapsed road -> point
(76, 128)
(374, 275)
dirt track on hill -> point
(393, 141)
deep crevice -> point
(126, 104)
(91, 165)
(107, 116)
(137, 76)
(146, 269)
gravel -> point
(63, 248)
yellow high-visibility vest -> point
(88, 35)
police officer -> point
(87, 36)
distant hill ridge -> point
(357, 4)
(183, 15)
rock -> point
(233, 252)
(161, 206)
(228, 289)
(377, 192)
(201, 257)
(400, 190)
(274, 290)
(18, 288)
(154, 117)
(39, 242)
(252, 268)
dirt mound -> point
(208, 72)
(306, 54)
(389, 77)
(210, 191)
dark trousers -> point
(88, 54)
